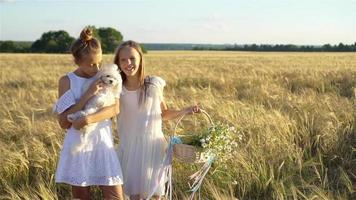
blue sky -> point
(187, 21)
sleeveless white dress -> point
(142, 143)
(96, 163)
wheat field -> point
(296, 112)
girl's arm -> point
(168, 114)
(104, 113)
(64, 85)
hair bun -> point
(86, 34)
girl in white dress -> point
(142, 109)
(96, 163)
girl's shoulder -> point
(63, 84)
(65, 79)
(156, 81)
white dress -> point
(142, 143)
(96, 163)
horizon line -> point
(238, 44)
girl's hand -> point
(80, 123)
(192, 110)
(94, 88)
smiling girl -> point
(142, 109)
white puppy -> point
(110, 76)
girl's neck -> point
(132, 83)
(79, 73)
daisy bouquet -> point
(214, 144)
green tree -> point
(53, 42)
(14, 47)
(7, 46)
(144, 50)
(110, 38)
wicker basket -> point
(187, 153)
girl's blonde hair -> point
(143, 81)
(86, 44)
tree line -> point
(281, 47)
(60, 42)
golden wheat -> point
(296, 112)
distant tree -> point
(143, 48)
(53, 42)
(340, 47)
(254, 47)
(291, 47)
(14, 47)
(7, 46)
(327, 47)
(110, 38)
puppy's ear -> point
(117, 68)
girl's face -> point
(90, 64)
(129, 60)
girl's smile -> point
(131, 68)
(129, 60)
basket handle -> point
(180, 119)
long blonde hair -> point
(144, 82)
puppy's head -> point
(110, 75)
